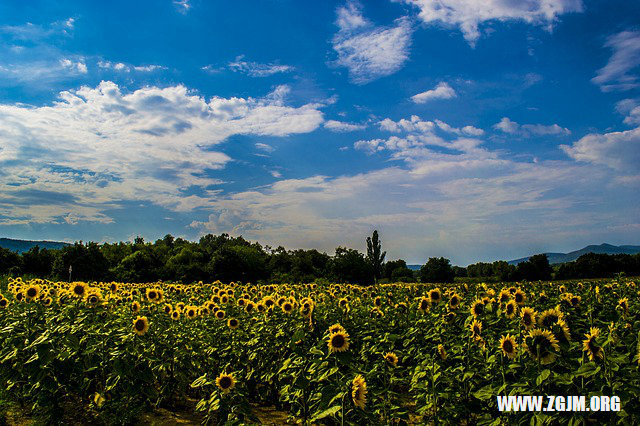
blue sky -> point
(472, 129)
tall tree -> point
(375, 255)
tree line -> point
(226, 258)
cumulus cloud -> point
(441, 91)
(617, 150)
(619, 74)
(468, 15)
(511, 127)
(255, 69)
(341, 126)
(78, 66)
(367, 51)
(631, 109)
(98, 146)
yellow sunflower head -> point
(510, 309)
(225, 382)
(476, 328)
(391, 359)
(528, 318)
(508, 346)
(477, 308)
(78, 289)
(541, 345)
(140, 325)
(359, 392)
(175, 315)
(135, 307)
(233, 323)
(454, 301)
(549, 317)
(590, 344)
(338, 341)
(435, 296)
(442, 352)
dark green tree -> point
(350, 266)
(437, 270)
(375, 255)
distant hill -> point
(571, 256)
(20, 246)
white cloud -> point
(78, 66)
(415, 124)
(369, 52)
(340, 126)
(265, 147)
(631, 109)
(506, 125)
(255, 69)
(617, 74)
(441, 91)
(34, 32)
(617, 150)
(468, 15)
(122, 67)
(183, 6)
(100, 146)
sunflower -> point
(541, 345)
(338, 341)
(94, 298)
(442, 352)
(359, 391)
(454, 301)
(519, 297)
(168, 309)
(287, 307)
(435, 296)
(335, 328)
(504, 296)
(220, 314)
(449, 317)
(590, 346)
(477, 307)
(113, 287)
(509, 346)
(225, 382)
(528, 318)
(392, 359)
(191, 312)
(623, 304)
(3, 303)
(249, 307)
(32, 292)
(175, 315)
(78, 289)
(135, 307)
(423, 305)
(550, 317)
(476, 328)
(377, 302)
(561, 331)
(510, 309)
(140, 325)
(233, 323)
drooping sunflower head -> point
(510, 309)
(542, 345)
(508, 346)
(561, 331)
(435, 296)
(391, 359)
(623, 305)
(442, 352)
(338, 341)
(359, 392)
(476, 328)
(477, 307)
(225, 382)
(140, 325)
(590, 344)
(528, 318)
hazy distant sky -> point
(471, 129)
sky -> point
(476, 130)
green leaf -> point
(326, 413)
(543, 376)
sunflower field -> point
(324, 353)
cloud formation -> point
(255, 69)
(367, 51)
(100, 146)
(341, 126)
(527, 130)
(468, 15)
(441, 91)
(619, 74)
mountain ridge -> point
(21, 246)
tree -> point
(375, 255)
(536, 268)
(350, 266)
(437, 270)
